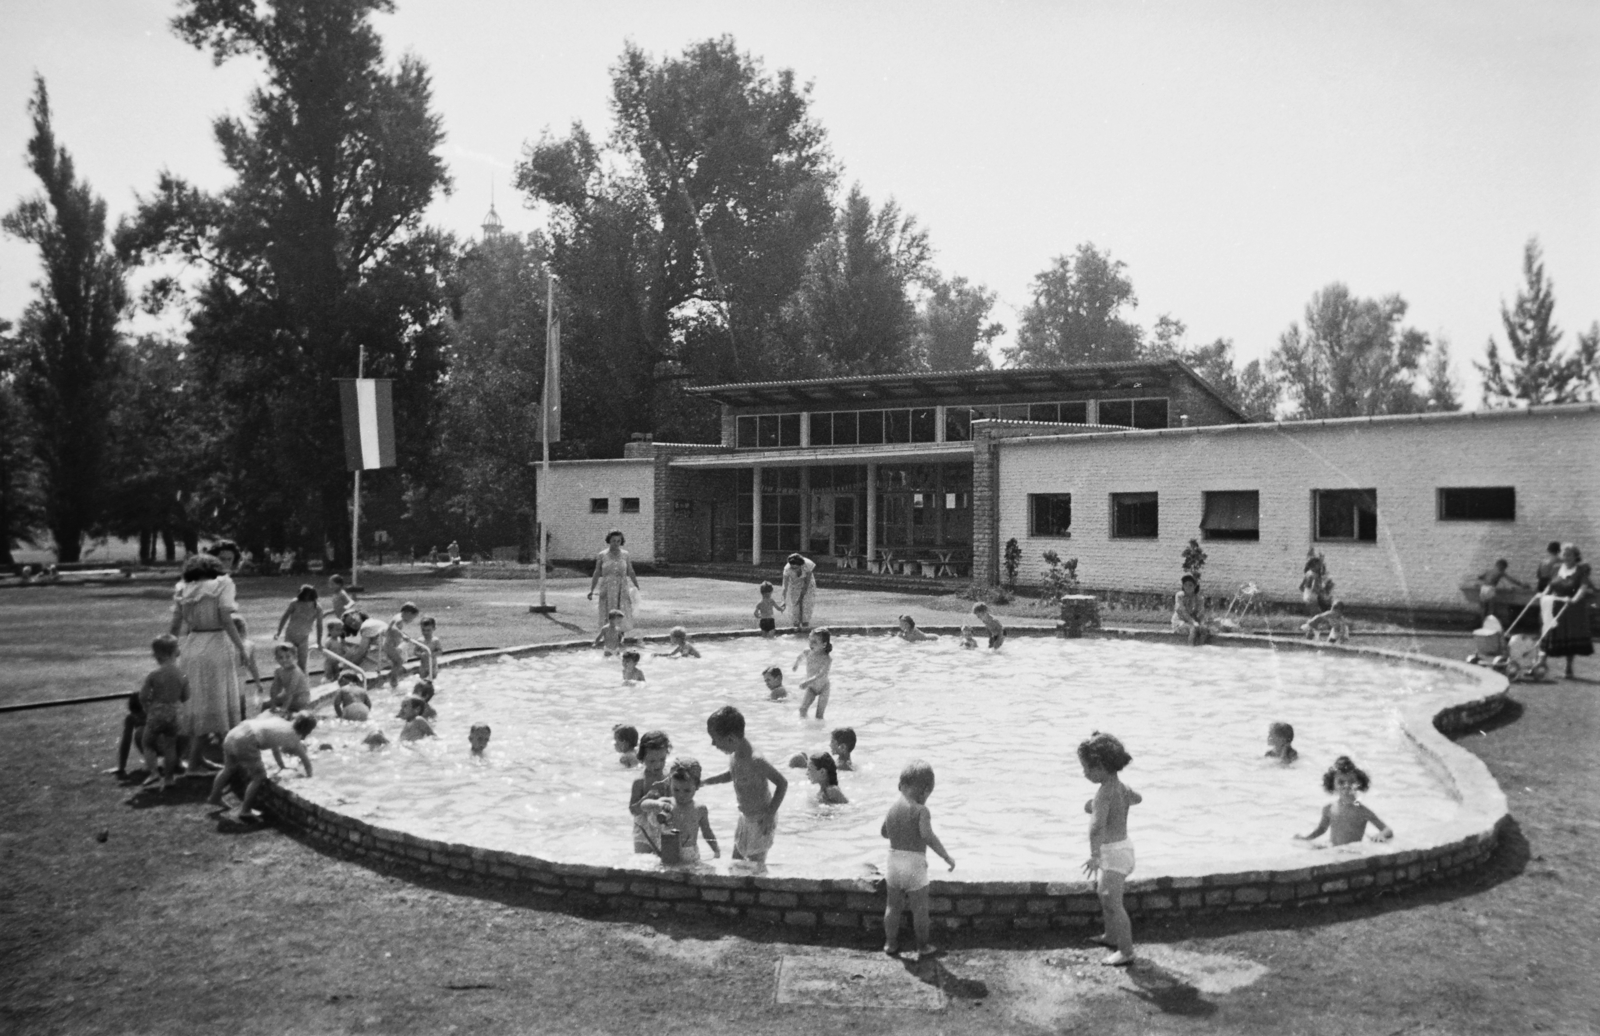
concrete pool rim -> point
(857, 902)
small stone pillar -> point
(1078, 611)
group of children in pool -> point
(662, 799)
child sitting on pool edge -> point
(997, 632)
(681, 648)
(1344, 818)
(772, 676)
(1280, 743)
(1332, 621)
(625, 741)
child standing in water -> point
(909, 829)
(818, 657)
(630, 667)
(750, 774)
(653, 749)
(1110, 851)
(299, 621)
(682, 814)
(1344, 818)
(841, 743)
(478, 738)
(765, 609)
(997, 632)
(772, 676)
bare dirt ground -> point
(123, 912)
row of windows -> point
(1349, 515)
(920, 424)
(602, 505)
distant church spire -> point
(492, 226)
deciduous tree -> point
(956, 331)
(1248, 388)
(1351, 359)
(69, 346)
(1076, 314)
(316, 251)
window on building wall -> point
(869, 427)
(1346, 514)
(845, 428)
(1073, 413)
(897, 426)
(746, 437)
(1134, 516)
(957, 424)
(599, 505)
(822, 429)
(1231, 515)
(924, 426)
(788, 429)
(1478, 504)
(630, 505)
(1049, 514)
(1134, 413)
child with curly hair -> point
(1110, 850)
(1346, 819)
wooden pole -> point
(355, 510)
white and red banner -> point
(368, 405)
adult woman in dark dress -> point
(1571, 581)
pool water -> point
(1000, 729)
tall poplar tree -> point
(67, 352)
(1537, 371)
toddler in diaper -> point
(909, 829)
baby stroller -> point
(1519, 656)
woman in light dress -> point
(203, 610)
(613, 573)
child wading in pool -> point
(1110, 851)
(1280, 743)
(653, 749)
(818, 657)
(909, 829)
(910, 633)
(765, 609)
(997, 632)
(631, 673)
(750, 774)
(625, 742)
(822, 771)
(1344, 818)
(772, 676)
(682, 814)
(681, 648)
(611, 634)
(841, 743)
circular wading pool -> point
(547, 804)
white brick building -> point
(588, 498)
(1403, 508)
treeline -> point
(709, 236)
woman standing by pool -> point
(203, 611)
(800, 589)
(1572, 581)
(612, 574)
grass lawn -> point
(136, 913)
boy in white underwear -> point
(1110, 851)
(909, 829)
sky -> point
(1236, 156)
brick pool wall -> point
(970, 906)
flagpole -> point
(355, 511)
(544, 435)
